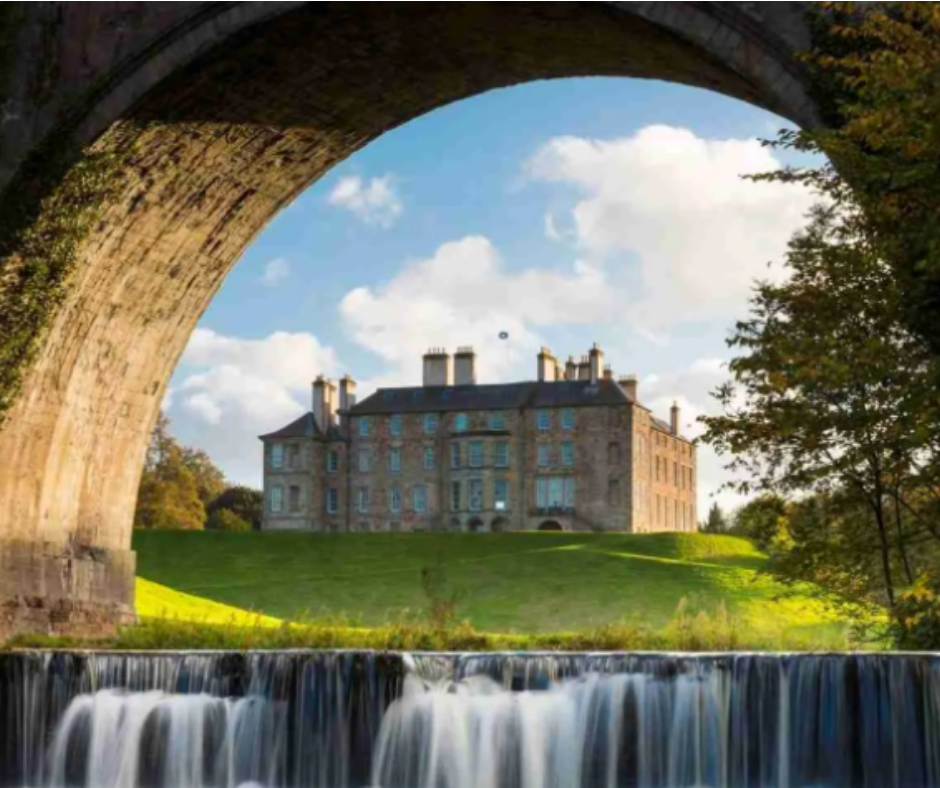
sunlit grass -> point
(510, 584)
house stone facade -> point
(573, 450)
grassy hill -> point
(527, 583)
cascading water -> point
(345, 720)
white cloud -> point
(275, 272)
(463, 295)
(374, 201)
(677, 205)
(230, 390)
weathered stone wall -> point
(144, 145)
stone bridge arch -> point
(144, 145)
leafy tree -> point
(210, 481)
(226, 520)
(245, 502)
(832, 391)
(763, 519)
(717, 522)
(169, 494)
(875, 69)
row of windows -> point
(682, 475)
(555, 492)
(547, 453)
(678, 515)
(285, 456)
(469, 495)
(461, 422)
(682, 448)
(276, 499)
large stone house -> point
(573, 450)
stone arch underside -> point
(192, 170)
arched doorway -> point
(476, 525)
(499, 525)
(138, 181)
(551, 525)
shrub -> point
(226, 520)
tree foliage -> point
(243, 501)
(169, 493)
(221, 519)
(717, 521)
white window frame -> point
(396, 425)
(431, 423)
(501, 454)
(430, 458)
(332, 500)
(544, 420)
(461, 422)
(394, 459)
(567, 419)
(364, 461)
(332, 461)
(477, 454)
(544, 455)
(419, 499)
(567, 454)
(365, 426)
(394, 500)
(362, 500)
(277, 456)
(501, 484)
(276, 499)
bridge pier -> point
(77, 590)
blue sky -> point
(564, 212)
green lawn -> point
(531, 582)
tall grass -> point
(691, 630)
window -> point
(555, 492)
(476, 495)
(613, 492)
(675, 474)
(501, 495)
(394, 459)
(501, 452)
(461, 422)
(396, 425)
(276, 499)
(277, 455)
(365, 426)
(567, 454)
(362, 500)
(690, 478)
(544, 455)
(497, 421)
(394, 500)
(430, 458)
(294, 498)
(332, 462)
(431, 422)
(293, 456)
(455, 458)
(332, 500)
(544, 420)
(476, 454)
(613, 454)
(455, 496)
(419, 499)
(657, 468)
(365, 460)
(567, 419)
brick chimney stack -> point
(630, 387)
(347, 397)
(547, 366)
(674, 418)
(324, 403)
(437, 367)
(571, 369)
(465, 367)
(596, 364)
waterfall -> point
(365, 720)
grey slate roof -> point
(508, 396)
(304, 427)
